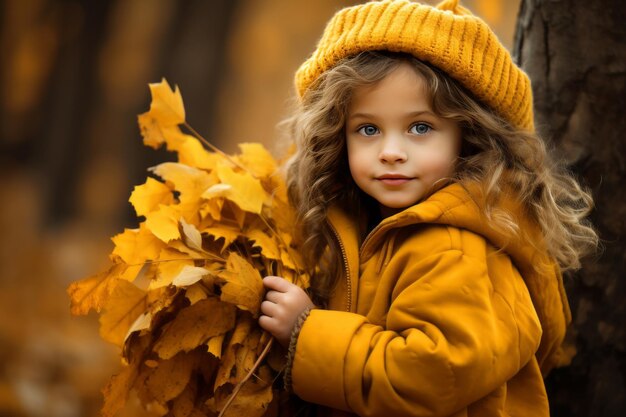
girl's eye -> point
(368, 130)
(420, 128)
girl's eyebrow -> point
(364, 115)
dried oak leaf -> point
(171, 376)
(117, 390)
(194, 325)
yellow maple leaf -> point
(163, 223)
(228, 234)
(155, 134)
(243, 285)
(135, 246)
(269, 247)
(240, 188)
(256, 159)
(192, 153)
(194, 325)
(167, 104)
(189, 181)
(146, 198)
(170, 263)
(125, 304)
(160, 124)
(92, 292)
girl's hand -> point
(284, 302)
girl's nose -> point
(392, 151)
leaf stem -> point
(238, 387)
(215, 148)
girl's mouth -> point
(394, 179)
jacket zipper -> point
(346, 268)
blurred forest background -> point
(73, 77)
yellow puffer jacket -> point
(432, 319)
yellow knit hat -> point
(447, 36)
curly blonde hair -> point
(494, 155)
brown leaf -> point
(254, 397)
(117, 390)
(171, 377)
(194, 325)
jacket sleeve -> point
(452, 335)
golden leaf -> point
(160, 124)
(147, 197)
(195, 293)
(194, 325)
(245, 190)
(268, 246)
(228, 234)
(155, 134)
(92, 292)
(167, 104)
(243, 284)
(192, 153)
(135, 246)
(163, 223)
(257, 159)
(171, 263)
(125, 304)
(189, 181)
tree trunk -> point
(575, 55)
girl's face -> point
(398, 148)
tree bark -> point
(575, 55)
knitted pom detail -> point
(448, 5)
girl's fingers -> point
(269, 308)
(273, 296)
(276, 283)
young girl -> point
(434, 222)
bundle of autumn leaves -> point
(182, 295)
